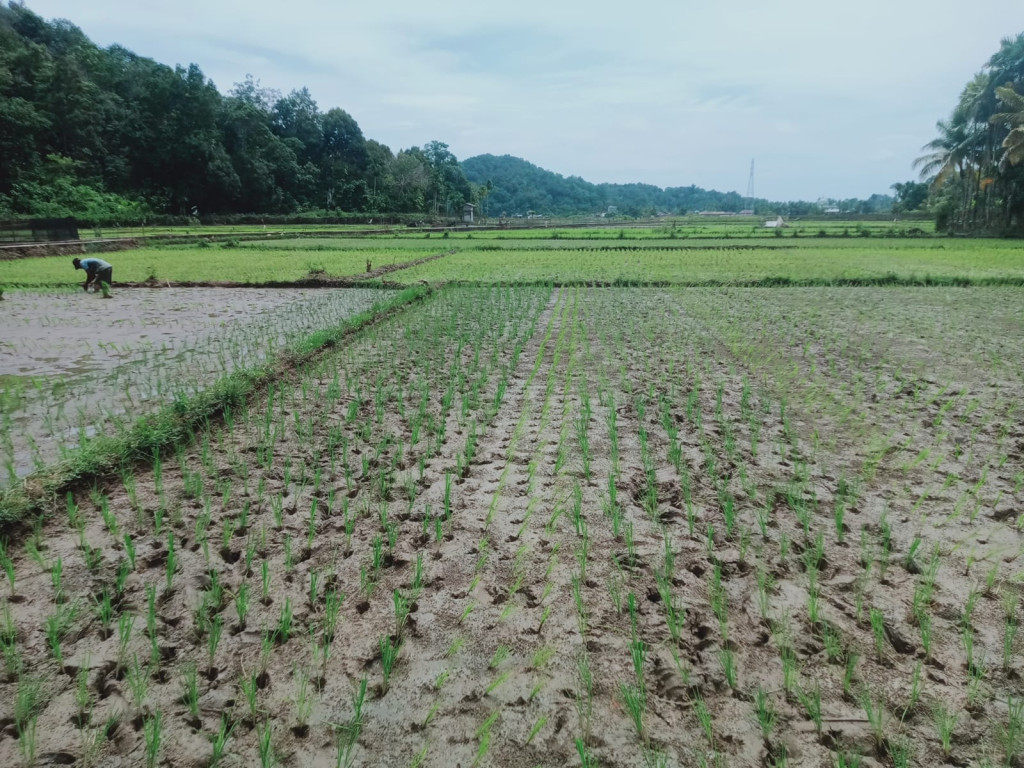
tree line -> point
(93, 132)
(975, 166)
(105, 134)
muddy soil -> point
(594, 525)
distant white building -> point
(467, 213)
(777, 223)
(832, 209)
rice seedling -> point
(28, 702)
(483, 735)
(878, 630)
(8, 565)
(265, 582)
(975, 676)
(765, 583)
(499, 656)
(250, 691)
(56, 628)
(388, 658)
(915, 690)
(874, 710)
(766, 714)
(790, 669)
(728, 661)
(587, 760)
(216, 627)
(849, 671)
(264, 735)
(241, 602)
(635, 701)
(1010, 628)
(171, 564)
(945, 723)
(705, 719)
(190, 689)
(578, 601)
(284, 623)
(1011, 733)
(347, 734)
(810, 700)
(138, 682)
(9, 644)
(220, 740)
(125, 624)
(303, 700)
(537, 726)
(900, 751)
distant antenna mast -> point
(750, 188)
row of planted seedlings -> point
(532, 638)
(826, 594)
(516, 632)
(485, 681)
(150, 617)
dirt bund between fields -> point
(68, 248)
(323, 281)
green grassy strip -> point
(942, 281)
(157, 432)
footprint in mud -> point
(668, 682)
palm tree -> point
(1013, 144)
(971, 162)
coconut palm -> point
(953, 152)
(1013, 144)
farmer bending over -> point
(97, 272)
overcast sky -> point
(831, 99)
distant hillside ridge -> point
(518, 187)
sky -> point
(828, 99)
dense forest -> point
(105, 134)
(94, 132)
(975, 165)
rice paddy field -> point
(562, 256)
(531, 517)
(73, 365)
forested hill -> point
(518, 186)
(103, 132)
